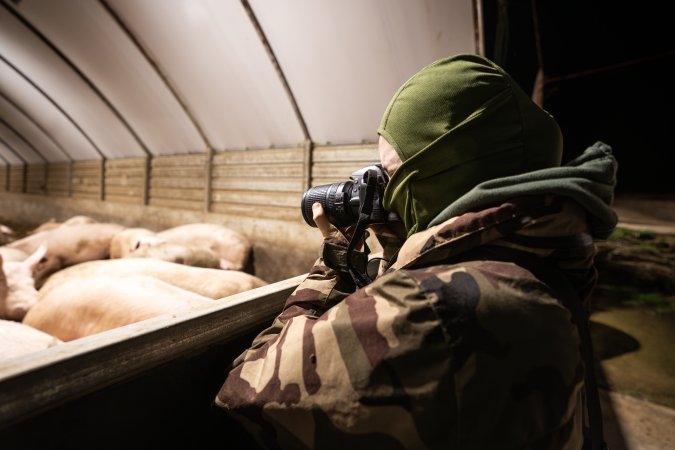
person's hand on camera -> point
(328, 230)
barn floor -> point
(633, 325)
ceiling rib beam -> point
(277, 67)
(56, 105)
(13, 151)
(81, 74)
(24, 170)
(186, 109)
(37, 125)
(155, 65)
(23, 138)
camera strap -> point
(362, 279)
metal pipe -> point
(478, 26)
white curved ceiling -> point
(86, 79)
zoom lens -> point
(335, 201)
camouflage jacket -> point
(454, 346)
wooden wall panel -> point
(258, 183)
(125, 180)
(16, 178)
(178, 181)
(332, 164)
(264, 183)
(86, 179)
(57, 179)
(4, 177)
(36, 178)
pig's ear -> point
(33, 260)
(3, 282)
(6, 230)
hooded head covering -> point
(456, 123)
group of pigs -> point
(68, 280)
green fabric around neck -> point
(459, 122)
(589, 179)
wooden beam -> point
(48, 378)
(208, 178)
(146, 179)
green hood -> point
(589, 179)
(459, 122)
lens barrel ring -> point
(311, 196)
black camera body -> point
(344, 202)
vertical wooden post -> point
(45, 180)
(24, 178)
(101, 183)
(539, 88)
(478, 27)
(307, 164)
(146, 179)
(208, 173)
(70, 178)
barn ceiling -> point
(91, 79)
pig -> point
(17, 339)
(46, 226)
(68, 245)
(6, 234)
(82, 307)
(17, 286)
(12, 254)
(189, 255)
(232, 249)
(210, 283)
(79, 220)
(131, 239)
(52, 223)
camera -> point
(344, 202)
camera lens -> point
(335, 201)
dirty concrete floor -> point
(654, 213)
(632, 423)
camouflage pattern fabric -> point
(436, 352)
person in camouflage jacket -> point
(464, 341)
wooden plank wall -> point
(36, 178)
(16, 178)
(125, 180)
(86, 179)
(178, 181)
(57, 179)
(331, 164)
(258, 183)
(263, 183)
